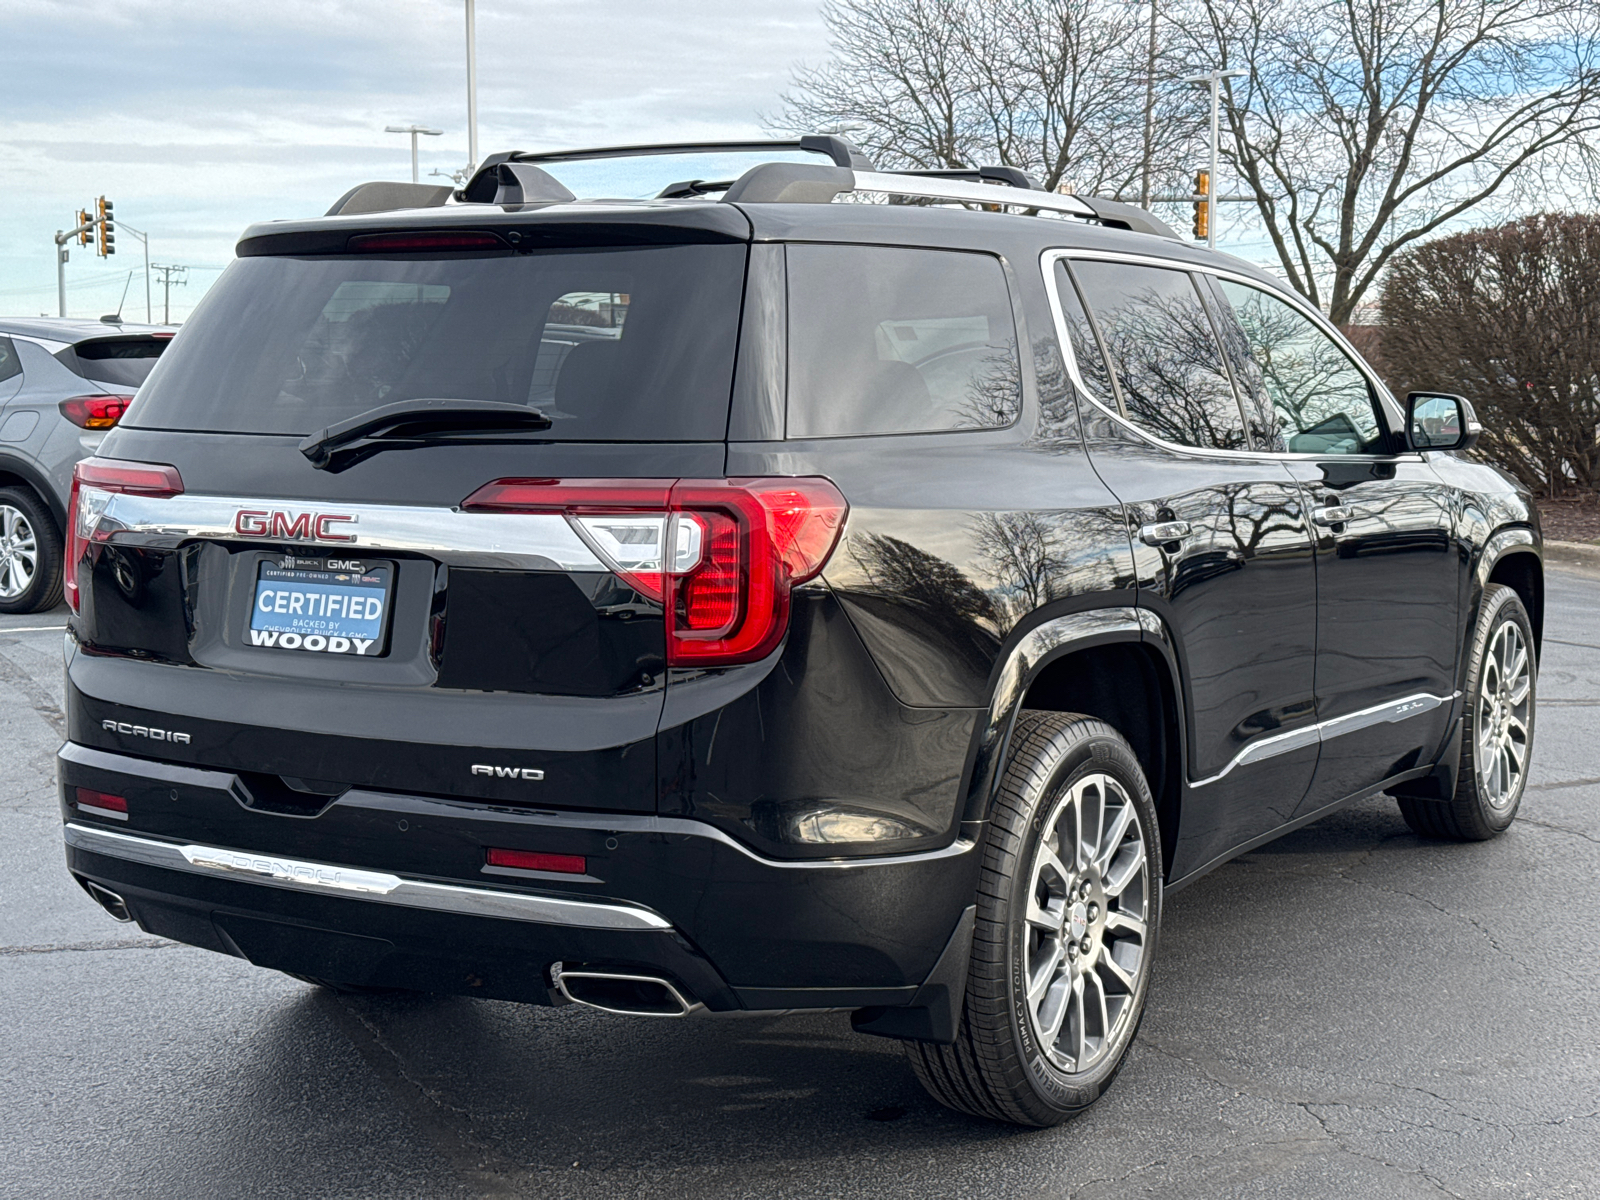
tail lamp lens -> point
(94, 412)
(94, 482)
(720, 554)
(101, 803)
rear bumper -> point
(390, 890)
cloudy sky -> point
(197, 117)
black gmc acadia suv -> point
(820, 589)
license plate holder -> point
(329, 606)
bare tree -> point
(1370, 124)
(1055, 87)
(1511, 318)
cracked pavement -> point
(1349, 1012)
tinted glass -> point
(9, 366)
(899, 341)
(1165, 354)
(1320, 401)
(125, 363)
(612, 345)
(1085, 348)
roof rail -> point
(1012, 176)
(798, 183)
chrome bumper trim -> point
(326, 879)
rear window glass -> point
(885, 340)
(612, 345)
(127, 362)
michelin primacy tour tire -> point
(1069, 907)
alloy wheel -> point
(19, 552)
(1084, 935)
(1505, 695)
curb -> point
(1579, 557)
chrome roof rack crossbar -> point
(839, 150)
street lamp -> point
(1214, 80)
(472, 91)
(413, 130)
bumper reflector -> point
(101, 804)
(534, 860)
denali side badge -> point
(148, 731)
(507, 772)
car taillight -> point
(94, 412)
(720, 554)
(94, 482)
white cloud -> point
(198, 118)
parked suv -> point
(63, 383)
(742, 600)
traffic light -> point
(85, 236)
(1202, 205)
(108, 241)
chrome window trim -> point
(1389, 712)
(528, 541)
(328, 879)
(1048, 260)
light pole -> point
(413, 130)
(145, 239)
(1214, 80)
(472, 91)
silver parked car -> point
(63, 384)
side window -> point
(1085, 346)
(886, 340)
(10, 365)
(1320, 402)
(1163, 353)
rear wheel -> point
(1069, 905)
(31, 553)
(1497, 729)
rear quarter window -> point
(889, 340)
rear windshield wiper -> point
(413, 423)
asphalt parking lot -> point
(1349, 1012)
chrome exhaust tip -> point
(619, 992)
(108, 900)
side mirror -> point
(1440, 421)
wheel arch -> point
(15, 472)
(1113, 663)
(1511, 558)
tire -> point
(1497, 729)
(1005, 1064)
(31, 553)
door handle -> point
(1334, 514)
(1163, 532)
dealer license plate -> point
(337, 606)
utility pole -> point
(413, 130)
(472, 91)
(1149, 111)
(1214, 81)
(167, 280)
(145, 238)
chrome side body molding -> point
(1325, 731)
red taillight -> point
(94, 412)
(535, 860)
(720, 554)
(102, 804)
(107, 475)
(377, 243)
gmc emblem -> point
(291, 527)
